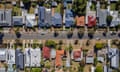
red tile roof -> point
(80, 21)
(77, 54)
(91, 21)
(46, 52)
(58, 60)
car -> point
(43, 32)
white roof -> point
(33, 59)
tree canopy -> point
(99, 69)
(79, 7)
(109, 19)
(50, 43)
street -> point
(62, 35)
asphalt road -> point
(62, 35)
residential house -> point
(57, 20)
(2, 69)
(19, 59)
(3, 54)
(101, 54)
(101, 16)
(69, 20)
(5, 17)
(18, 20)
(115, 20)
(32, 57)
(113, 55)
(11, 56)
(10, 68)
(46, 52)
(80, 21)
(41, 16)
(91, 18)
(53, 53)
(58, 59)
(30, 20)
(54, 4)
(90, 57)
(48, 17)
(77, 55)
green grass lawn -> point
(16, 11)
(113, 6)
(58, 9)
(93, 7)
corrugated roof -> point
(57, 19)
(46, 52)
(80, 21)
(58, 60)
(17, 20)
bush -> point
(99, 45)
(50, 43)
(99, 69)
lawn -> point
(16, 11)
(58, 9)
(93, 7)
(113, 6)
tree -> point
(50, 43)
(79, 7)
(91, 34)
(99, 69)
(99, 45)
(109, 20)
(26, 1)
(70, 48)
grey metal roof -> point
(11, 56)
(41, 13)
(48, 17)
(32, 57)
(102, 15)
(114, 57)
(89, 60)
(17, 20)
(2, 70)
(19, 59)
(5, 17)
(3, 54)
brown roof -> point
(58, 60)
(80, 21)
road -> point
(62, 35)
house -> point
(113, 55)
(46, 52)
(30, 20)
(53, 53)
(5, 17)
(80, 21)
(54, 4)
(41, 16)
(2, 69)
(101, 55)
(58, 59)
(101, 16)
(48, 17)
(90, 57)
(32, 57)
(106, 69)
(91, 18)
(77, 55)
(19, 59)
(17, 20)
(115, 20)
(69, 21)
(10, 68)
(57, 20)
(11, 56)
(64, 5)
(3, 54)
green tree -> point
(51, 43)
(26, 1)
(99, 45)
(109, 20)
(99, 69)
(79, 7)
